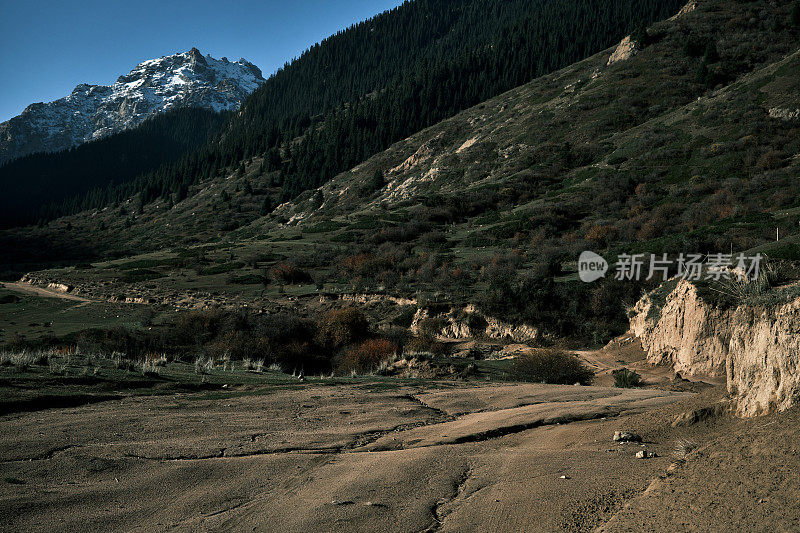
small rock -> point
(375, 504)
(644, 454)
(626, 436)
(564, 477)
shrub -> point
(405, 317)
(282, 327)
(238, 345)
(290, 274)
(627, 379)
(366, 265)
(427, 345)
(431, 327)
(771, 160)
(367, 356)
(341, 327)
(301, 356)
(197, 327)
(551, 366)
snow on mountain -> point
(154, 86)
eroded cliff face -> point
(683, 332)
(764, 359)
(756, 348)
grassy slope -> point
(636, 155)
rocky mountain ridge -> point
(90, 112)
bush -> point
(551, 366)
(627, 379)
(431, 327)
(197, 327)
(290, 274)
(771, 160)
(405, 317)
(368, 356)
(238, 345)
(427, 345)
(341, 327)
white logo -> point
(591, 267)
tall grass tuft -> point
(627, 379)
(551, 366)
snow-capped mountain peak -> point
(92, 111)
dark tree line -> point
(357, 92)
(45, 186)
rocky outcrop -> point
(366, 299)
(683, 331)
(764, 359)
(685, 10)
(469, 323)
(91, 112)
(757, 348)
(52, 285)
(625, 50)
(60, 287)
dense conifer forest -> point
(346, 98)
(43, 186)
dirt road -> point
(26, 288)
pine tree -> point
(640, 35)
(711, 55)
(702, 75)
(795, 18)
(377, 181)
(266, 206)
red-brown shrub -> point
(367, 356)
(341, 327)
(289, 273)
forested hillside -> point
(379, 81)
(686, 144)
(34, 184)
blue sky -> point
(47, 48)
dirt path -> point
(26, 288)
(627, 352)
